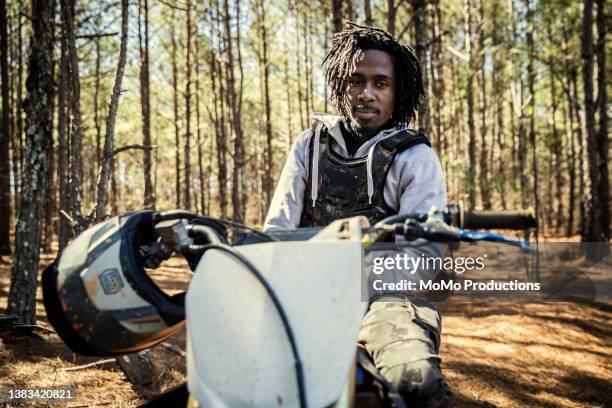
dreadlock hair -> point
(339, 61)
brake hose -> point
(299, 370)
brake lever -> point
(474, 236)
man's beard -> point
(362, 132)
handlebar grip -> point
(516, 220)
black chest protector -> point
(342, 182)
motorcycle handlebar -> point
(515, 220)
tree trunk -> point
(391, 11)
(582, 159)
(39, 131)
(367, 9)
(17, 151)
(221, 142)
(571, 164)
(307, 64)
(244, 199)
(498, 91)
(471, 173)
(62, 146)
(437, 84)
(18, 116)
(591, 231)
(266, 94)
(201, 175)
(97, 100)
(78, 223)
(234, 102)
(5, 137)
(187, 154)
(485, 192)
(594, 231)
(14, 109)
(96, 109)
(531, 106)
(349, 13)
(115, 193)
(145, 103)
(422, 52)
(50, 197)
(219, 111)
(19, 108)
(309, 59)
(288, 101)
(557, 142)
(602, 134)
(109, 137)
(177, 144)
(303, 121)
(576, 130)
(519, 146)
(337, 15)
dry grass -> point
(494, 355)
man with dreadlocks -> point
(367, 161)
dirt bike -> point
(272, 320)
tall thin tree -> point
(337, 15)
(175, 95)
(62, 145)
(145, 101)
(483, 178)
(422, 45)
(264, 60)
(39, 130)
(367, 10)
(199, 137)
(469, 45)
(109, 137)
(74, 183)
(594, 231)
(188, 72)
(234, 99)
(602, 133)
(392, 7)
(5, 137)
(18, 116)
(531, 105)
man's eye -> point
(382, 84)
(354, 82)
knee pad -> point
(420, 383)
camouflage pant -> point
(403, 337)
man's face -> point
(371, 91)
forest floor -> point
(495, 354)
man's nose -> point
(366, 93)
